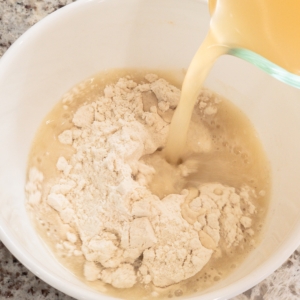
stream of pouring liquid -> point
(201, 64)
(270, 28)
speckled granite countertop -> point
(16, 282)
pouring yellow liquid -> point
(269, 28)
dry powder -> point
(125, 233)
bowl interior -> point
(93, 35)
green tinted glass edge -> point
(267, 66)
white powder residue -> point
(34, 186)
(207, 102)
(125, 233)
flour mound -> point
(125, 233)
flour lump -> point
(124, 232)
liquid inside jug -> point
(264, 33)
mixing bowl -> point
(89, 36)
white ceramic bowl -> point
(91, 35)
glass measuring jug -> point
(262, 32)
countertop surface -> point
(16, 282)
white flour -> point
(125, 233)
